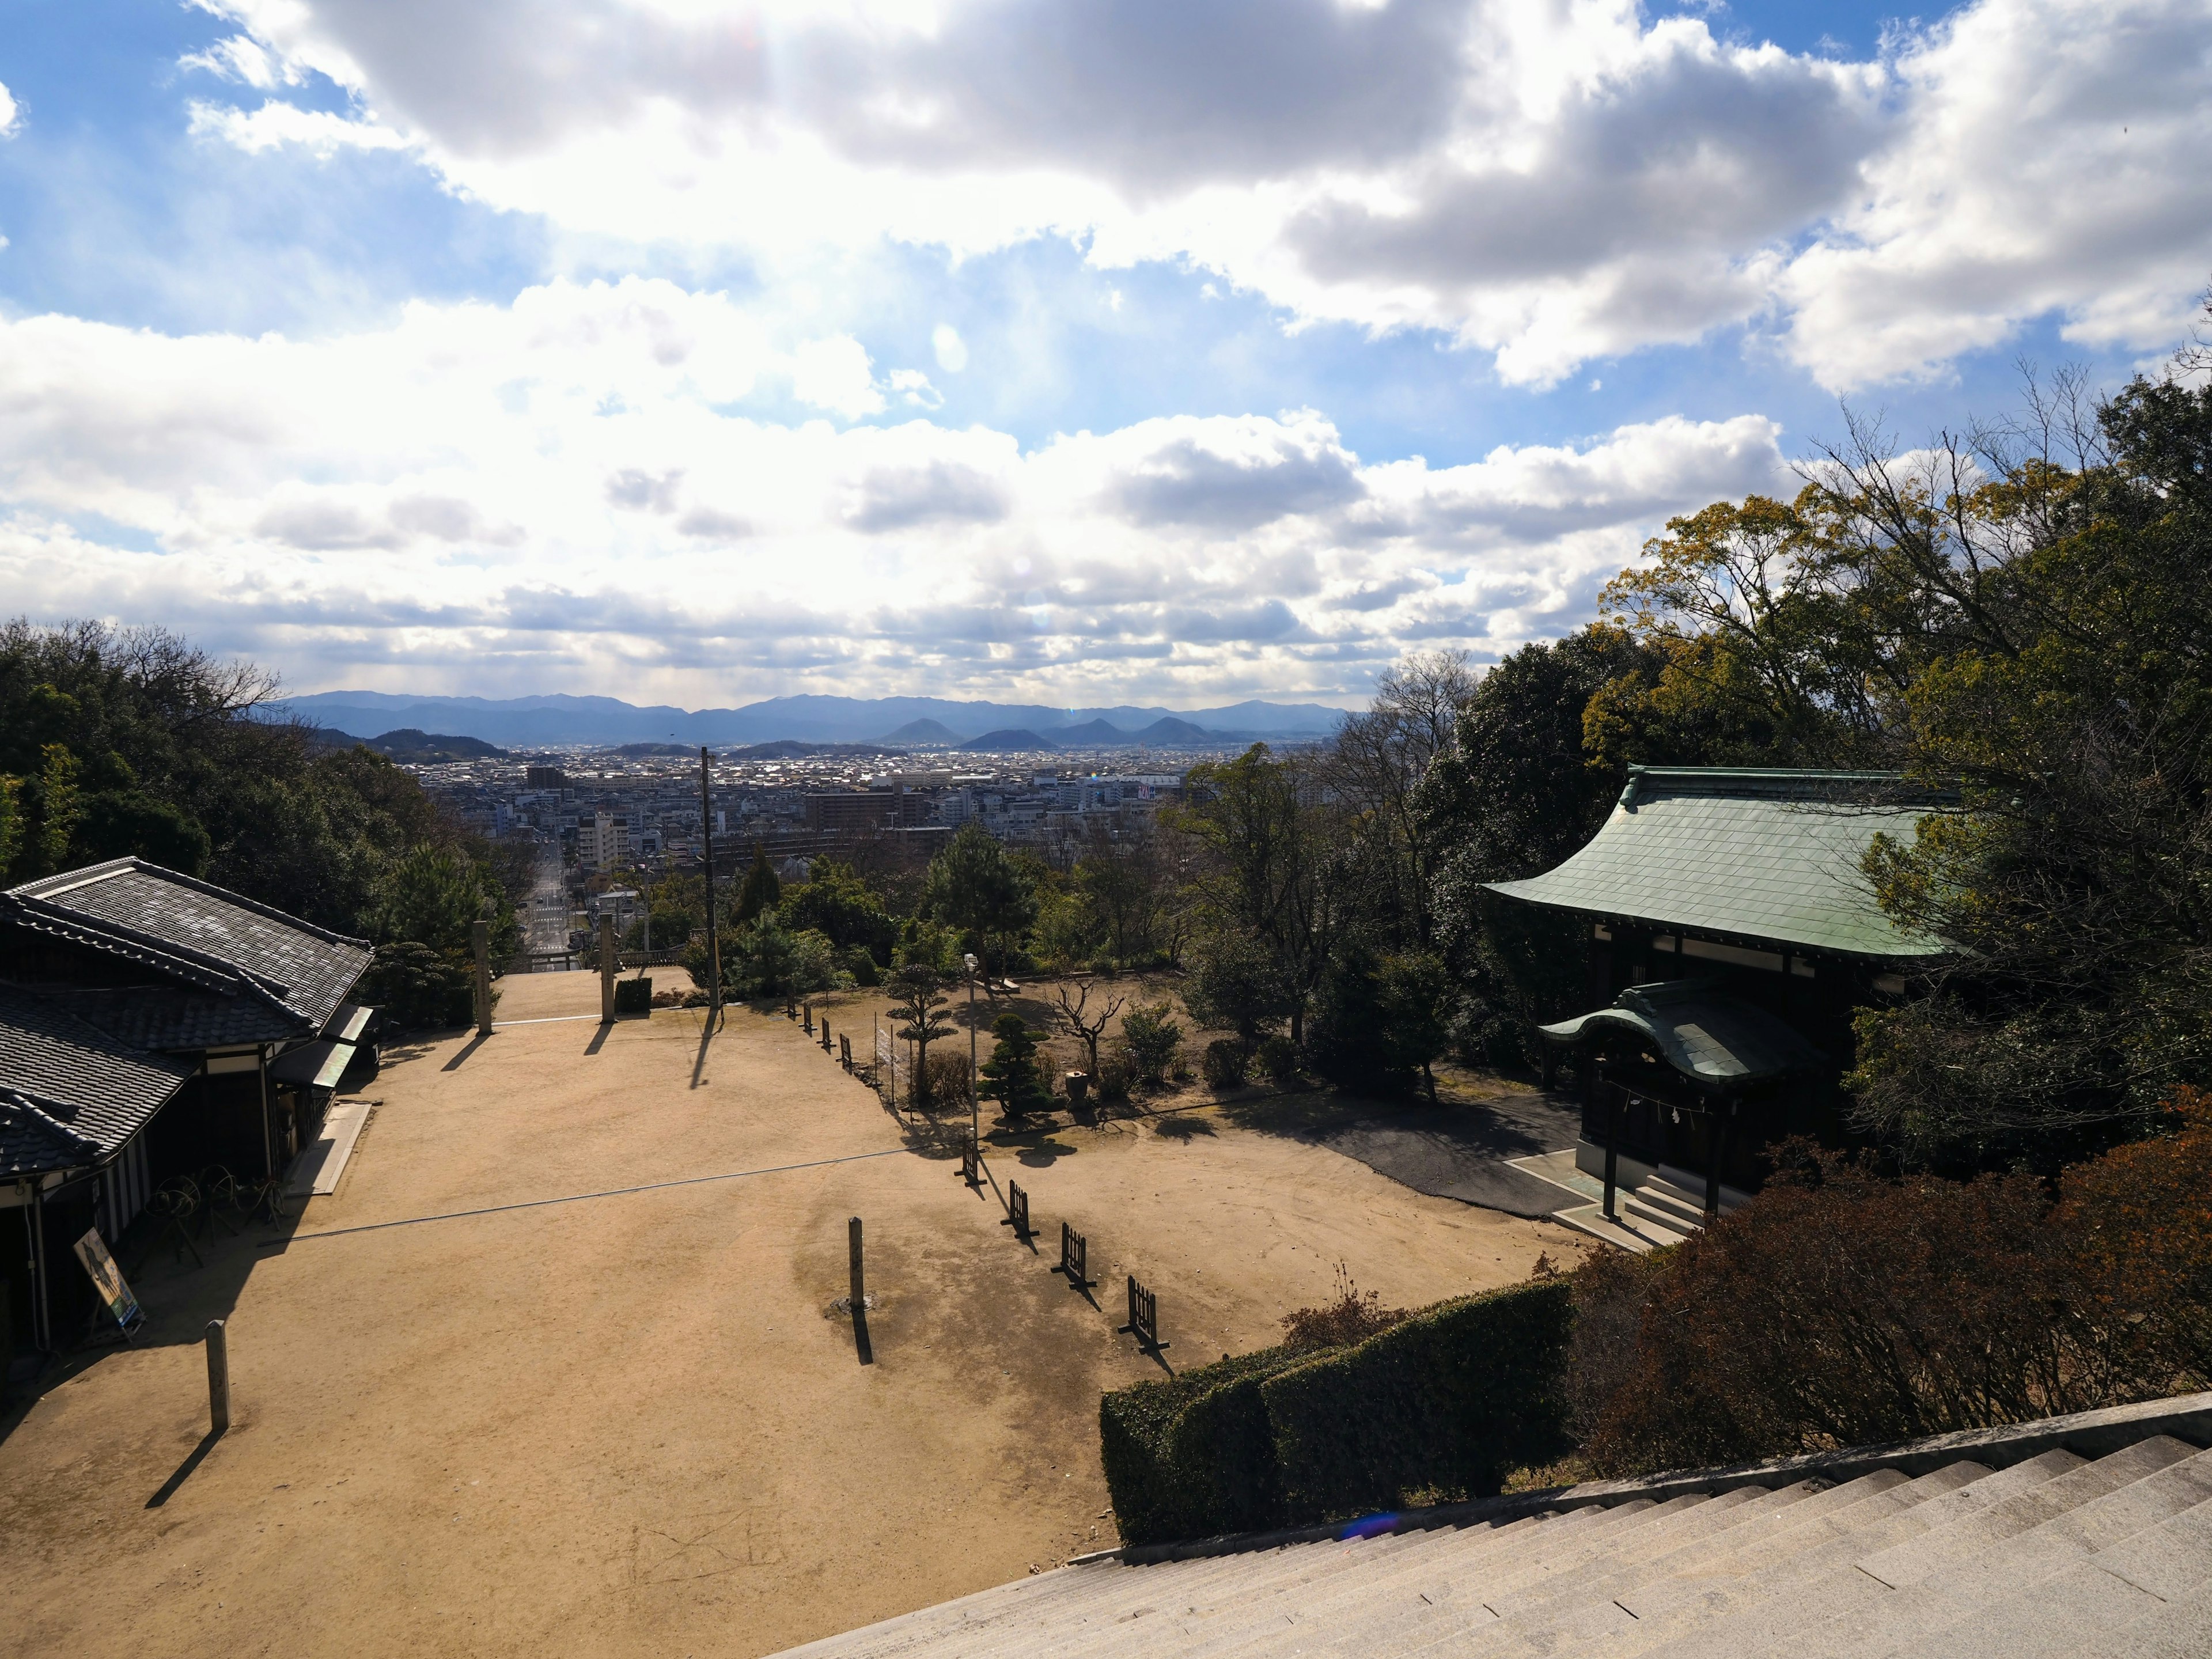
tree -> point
(1086, 1028)
(1266, 837)
(1124, 876)
(1151, 1038)
(1237, 980)
(975, 887)
(759, 891)
(837, 900)
(1010, 1076)
(920, 1012)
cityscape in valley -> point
(1011, 828)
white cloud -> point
(274, 125)
(951, 350)
(835, 374)
(10, 115)
(572, 485)
(1548, 184)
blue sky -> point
(1147, 352)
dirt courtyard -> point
(629, 1423)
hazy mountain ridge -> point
(522, 722)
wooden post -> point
(859, 1286)
(218, 1362)
(480, 945)
(713, 941)
(1718, 1151)
(607, 969)
(1611, 1147)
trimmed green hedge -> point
(1192, 1456)
(1450, 1401)
(633, 996)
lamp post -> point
(974, 1112)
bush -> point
(1351, 1317)
(945, 1081)
(633, 996)
(1223, 1065)
(1841, 1309)
(1194, 1456)
(1449, 1400)
(1277, 1060)
(1151, 1038)
(1114, 1076)
(1010, 1076)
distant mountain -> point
(1011, 742)
(924, 734)
(429, 748)
(1169, 733)
(640, 751)
(540, 722)
(1091, 734)
(791, 749)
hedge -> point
(1448, 1401)
(633, 996)
(1192, 1456)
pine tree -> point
(1011, 1076)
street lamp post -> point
(974, 1112)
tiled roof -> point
(136, 907)
(61, 1079)
(176, 1020)
(1771, 857)
(1704, 1033)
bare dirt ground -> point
(629, 1424)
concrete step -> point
(1656, 1214)
(1689, 1185)
(2065, 1611)
(1463, 1560)
(1777, 1567)
(2176, 1629)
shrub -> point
(813, 962)
(1223, 1064)
(1446, 1399)
(1114, 1076)
(2138, 1226)
(1351, 1317)
(1193, 1455)
(1840, 1308)
(945, 1081)
(633, 996)
(1151, 1038)
(1449, 1401)
(1277, 1059)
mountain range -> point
(912, 722)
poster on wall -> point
(107, 1279)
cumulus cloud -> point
(10, 115)
(1548, 184)
(568, 484)
(835, 374)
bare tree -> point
(1087, 1032)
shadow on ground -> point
(1458, 1148)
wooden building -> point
(114, 979)
(1731, 934)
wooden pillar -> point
(608, 966)
(860, 1280)
(1612, 1142)
(218, 1364)
(480, 946)
(1715, 1153)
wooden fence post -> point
(859, 1284)
(218, 1364)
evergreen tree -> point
(760, 891)
(1011, 1076)
(922, 1019)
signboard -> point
(107, 1279)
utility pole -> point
(714, 943)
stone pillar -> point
(480, 945)
(609, 965)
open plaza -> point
(560, 1364)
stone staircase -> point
(1673, 1201)
(2089, 1536)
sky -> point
(1077, 352)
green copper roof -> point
(1704, 1033)
(1762, 856)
